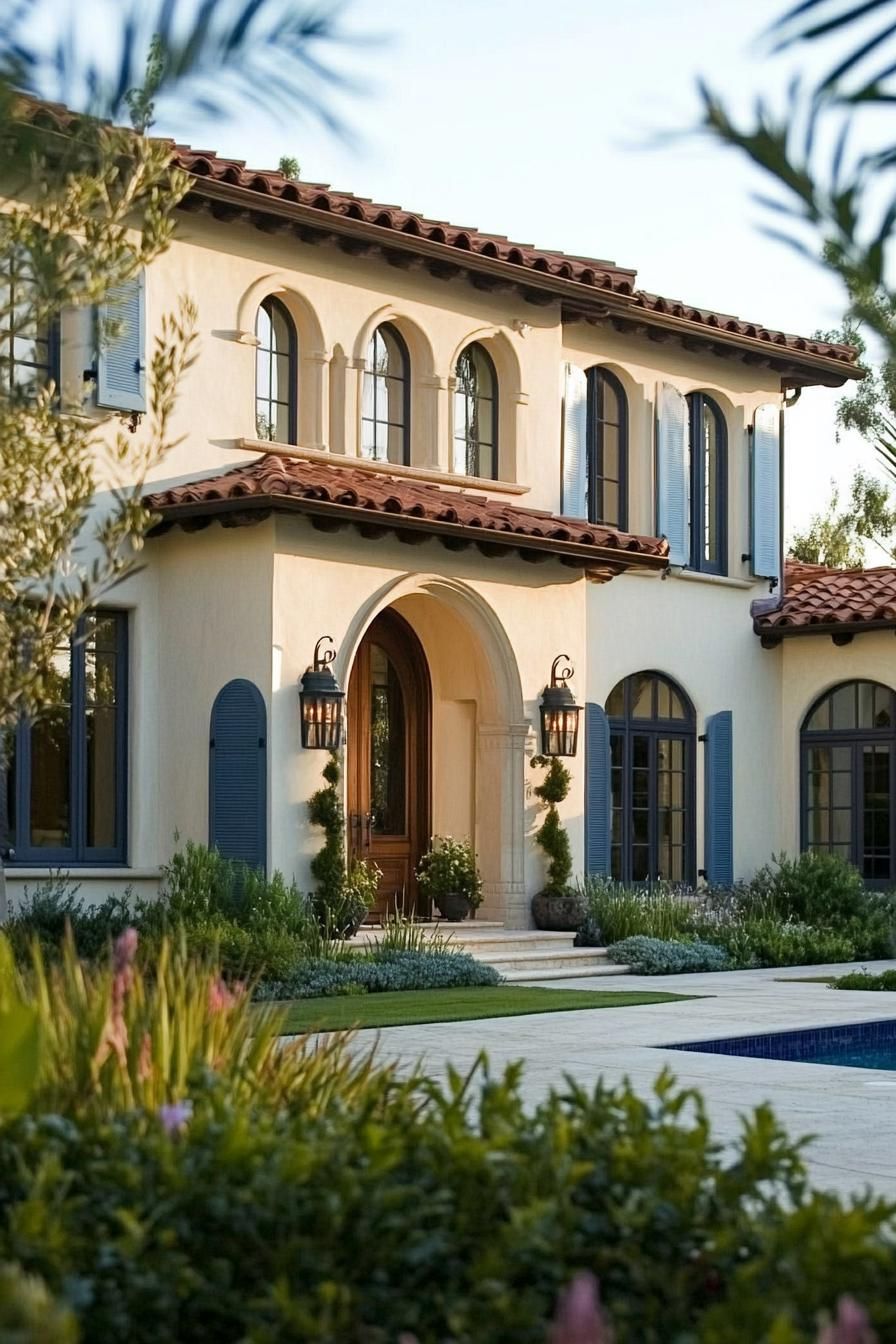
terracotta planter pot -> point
(453, 906)
(559, 914)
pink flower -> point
(124, 950)
(144, 1064)
(850, 1326)
(175, 1116)
(580, 1318)
(220, 998)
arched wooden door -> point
(388, 759)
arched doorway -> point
(388, 775)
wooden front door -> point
(388, 759)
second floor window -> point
(64, 799)
(29, 349)
(475, 414)
(708, 485)
(385, 411)
(607, 455)
(276, 376)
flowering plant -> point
(448, 868)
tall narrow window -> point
(848, 748)
(29, 348)
(385, 413)
(475, 414)
(65, 770)
(607, 462)
(708, 485)
(276, 375)
(652, 738)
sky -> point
(548, 123)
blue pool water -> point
(853, 1045)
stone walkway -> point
(851, 1111)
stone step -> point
(602, 969)
(582, 957)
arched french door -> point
(388, 770)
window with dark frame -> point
(708, 455)
(65, 794)
(652, 751)
(848, 750)
(276, 373)
(475, 414)
(607, 458)
(29, 349)
(385, 409)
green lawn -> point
(406, 1007)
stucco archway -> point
(479, 729)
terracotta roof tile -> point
(362, 496)
(590, 272)
(821, 600)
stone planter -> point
(453, 906)
(559, 914)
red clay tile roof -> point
(590, 273)
(339, 495)
(819, 600)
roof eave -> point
(593, 301)
(773, 634)
(255, 507)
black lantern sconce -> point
(321, 700)
(559, 712)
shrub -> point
(885, 980)
(378, 972)
(452, 1212)
(54, 906)
(814, 888)
(654, 956)
(616, 912)
(551, 836)
(754, 943)
(449, 867)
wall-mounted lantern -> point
(321, 700)
(559, 712)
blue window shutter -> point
(672, 472)
(598, 798)
(765, 529)
(121, 360)
(575, 443)
(719, 800)
(237, 805)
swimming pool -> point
(853, 1045)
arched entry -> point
(388, 774)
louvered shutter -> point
(672, 472)
(575, 443)
(765, 542)
(121, 359)
(237, 811)
(598, 797)
(719, 799)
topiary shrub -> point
(656, 956)
(884, 980)
(551, 835)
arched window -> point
(709, 485)
(652, 745)
(276, 378)
(385, 411)
(848, 746)
(475, 414)
(607, 461)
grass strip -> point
(403, 1008)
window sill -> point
(720, 580)
(381, 468)
(14, 871)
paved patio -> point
(851, 1111)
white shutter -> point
(765, 523)
(673, 472)
(575, 443)
(121, 360)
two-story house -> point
(448, 459)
